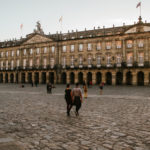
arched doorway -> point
(29, 77)
(71, 78)
(6, 78)
(36, 76)
(23, 78)
(16, 77)
(51, 77)
(1, 78)
(140, 78)
(80, 78)
(11, 78)
(63, 78)
(43, 77)
(98, 77)
(119, 78)
(108, 78)
(89, 77)
(129, 78)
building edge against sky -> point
(115, 56)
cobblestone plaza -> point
(31, 119)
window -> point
(72, 48)
(108, 60)
(98, 46)
(31, 63)
(2, 54)
(118, 60)
(89, 46)
(64, 48)
(37, 62)
(12, 53)
(17, 52)
(129, 59)
(37, 50)
(52, 62)
(80, 47)
(6, 54)
(129, 44)
(12, 64)
(31, 51)
(24, 52)
(118, 44)
(140, 43)
(6, 64)
(45, 49)
(89, 60)
(98, 60)
(18, 63)
(141, 59)
(72, 61)
(1, 64)
(108, 45)
(53, 49)
(64, 61)
(24, 62)
(80, 60)
(44, 62)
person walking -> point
(101, 88)
(85, 91)
(77, 98)
(68, 98)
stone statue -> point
(39, 29)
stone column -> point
(124, 52)
(14, 77)
(55, 78)
(68, 77)
(19, 77)
(134, 75)
(8, 77)
(3, 77)
(26, 77)
(146, 78)
(47, 77)
(85, 77)
(104, 77)
(113, 78)
(76, 77)
(40, 77)
(94, 78)
(124, 77)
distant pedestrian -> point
(68, 98)
(85, 91)
(49, 88)
(77, 98)
(101, 88)
(32, 83)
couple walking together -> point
(73, 97)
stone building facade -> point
(115, 56)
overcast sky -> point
(77, 14)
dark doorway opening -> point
(119, 78)
(71, 78)
(129, 78)
(108, 78)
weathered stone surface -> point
(116, 120)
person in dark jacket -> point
(68, 98)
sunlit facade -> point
(115, 56)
